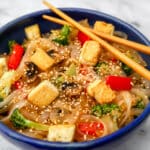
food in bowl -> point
(63, 86)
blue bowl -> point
(15, 31)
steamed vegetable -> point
(128, 71)
(10, 45)
(20, 122)
(119, 83)
(140, 104)
(62, 39)
(83, 37)
(102, 67)
(5, 83)
(17, 52)
(71, 70)
(59, 80)
(91, 128)
(99, 110)
(18, 85)
(1, 99)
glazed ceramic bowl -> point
(15, 31)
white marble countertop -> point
(135, 12)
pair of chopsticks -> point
(111, 38)
(93, 35)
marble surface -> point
(135, 12)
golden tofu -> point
(92, 86)
(90, 52)
(104, 27)
(42, 59)
(32, 31)
(3, 66)
(61, 133)
(43, 94)
(101, 92)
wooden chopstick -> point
(56, 20)
(111, 38)
(135, 66)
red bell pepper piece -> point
(16, 56)
(18, 85)
(90, 128)
(82, 37)
(114, 60)
(119, 83)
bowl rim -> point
(32, 141)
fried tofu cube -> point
(61, 133)
(92, 86)
(101, 26)
(42, 59)
(43, 94)
(101, 92)
(3, 66)
(90, 52)
(32, 31)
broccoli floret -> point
(102, 68)
(69, 73)
(59, 80)
(20, 122)
(1, 99)
(62, 39)
(140, 104)
(99, 110)
(128, 71)
(10, 45)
